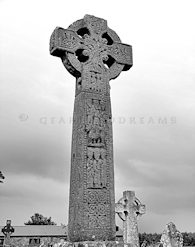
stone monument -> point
(94, 54)
(171, 237)
(1, 177)
(128, 208)
(7, 231)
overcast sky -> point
(153, 108)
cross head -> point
(91, 52)
(8, 229)
(1, 177)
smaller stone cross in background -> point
(7, 231)
(128, 208)
(1, 177)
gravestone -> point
(1, 177)
(128, 209)
(171, 237)
(7, 231)
(93, 54)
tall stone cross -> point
(128, 208)
(94, 54)
(1, 177)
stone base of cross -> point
(95, 243)
(128, 209)
(7, 240)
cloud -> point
(165, 188)
(30, 194)
(33, 148)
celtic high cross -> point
(94, 54)
(128, 208)
(7, 231)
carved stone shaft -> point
(94, 54)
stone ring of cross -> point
(89, 42)
(7, 230)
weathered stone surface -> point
(171, 237)
(94, 54)
(128, 208)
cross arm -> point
(1, 177)
(120, 208)
(142, 209)
(64, 40)
(122, 53)
(139, 208)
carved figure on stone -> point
(103, 167)
(95, 123)
(171, 237)
(90, 169)
(97, 168)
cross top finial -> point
(129, 204)
(91, 52)
(96, 25)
